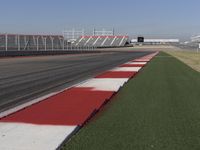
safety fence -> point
(10, 42)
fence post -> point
(6, 41)
(37, 43)
(68, 45)
(45, 43)
(63, 44)
(52, 43)
(19, 47)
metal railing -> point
(19, 42)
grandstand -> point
(70, 40)
(101, 41)
(101, 38)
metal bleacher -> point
(99, 41)
(91, 41)
(124, 41)
(116, 41)
(102, 41)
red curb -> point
(71, 107)
(132, 65)
(116, 74)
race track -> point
(26, 78)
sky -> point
(151, 18)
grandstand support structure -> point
(103, 32)
(72, 35)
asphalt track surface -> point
(24, 79)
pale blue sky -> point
(156, 18)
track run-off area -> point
(63, 113)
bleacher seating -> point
(102, 41)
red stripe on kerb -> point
(142, 60)
(71, 107)
(132, 65)
(116, 74)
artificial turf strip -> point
(159, 109)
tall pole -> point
(52, 44)
(104, 31)
(94, 32)
(6, 41)
(67, 44)
(45, 43)
(37, 42)
(73, 33)
(18, 42)
(83, 33)
(63, 44)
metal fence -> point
(9, 42)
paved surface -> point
(23, 79)
(59, 117)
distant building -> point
(195, 39)
(141, 40)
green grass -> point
(157, 110)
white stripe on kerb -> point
(105, 84)
(20, 136)
(128, 69)
(143, 60)
(136, 63)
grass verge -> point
(190, 58)
(159, 109)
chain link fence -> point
(19, 42)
